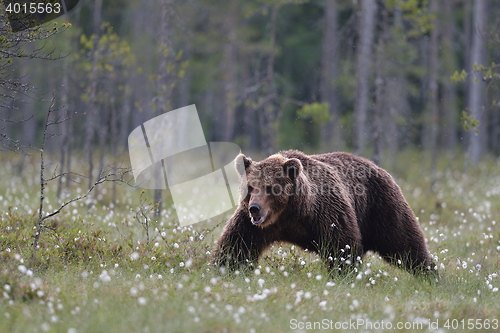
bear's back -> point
(369, 186)
(350, 167)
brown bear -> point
(339, 205)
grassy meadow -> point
(95, 272)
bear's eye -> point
(250, 189)
(269, 190)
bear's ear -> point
(292, 168)
(241, 163)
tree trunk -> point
(477, 89)
(29, 127)
(65, 127)
(267, 117)
(91, 115)
(97, 16)
(449, 65)
(71, 109)
(495, 131)
(433, 102)
(467, 61)
(363, 64)
(250, 117)
(124, 119)
(396, 88)
(330, 132)
(91, 112)
(104, 128)
(380, 95)
(230, 72)
(114, 142)
(163, 86)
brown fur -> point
(338, 204)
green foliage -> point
(114, 59)
(417, 13)
(130, 53)
(488, 74)
(110, 50)
(458, 77)
(470, 121)
(318, 112)
(491, 76)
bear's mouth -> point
(258, 221)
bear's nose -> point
(254, 209)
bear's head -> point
(267, 186)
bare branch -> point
(104, 177)
(12, 145)
(63, 175)
(8, 120)
(111, 173)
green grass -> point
(97, 274)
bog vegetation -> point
(94, 270)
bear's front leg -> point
(241, 242)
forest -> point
(412, 85)
(373, 77)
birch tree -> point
(433, 102)
(448, 104)
(477, 139)
(230, 82)
(330, 135)
(363, 65)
